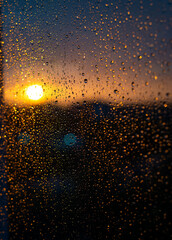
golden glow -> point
(34, 92)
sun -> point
(34, 92)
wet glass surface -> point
(86, 120)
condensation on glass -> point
(86, 119)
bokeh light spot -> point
(70, 139)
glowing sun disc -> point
(34, 92)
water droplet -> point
(116, 91)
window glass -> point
(86, 119)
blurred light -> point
(34, 92)
(24, 138)
(70, 139)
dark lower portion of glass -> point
(90, 172)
